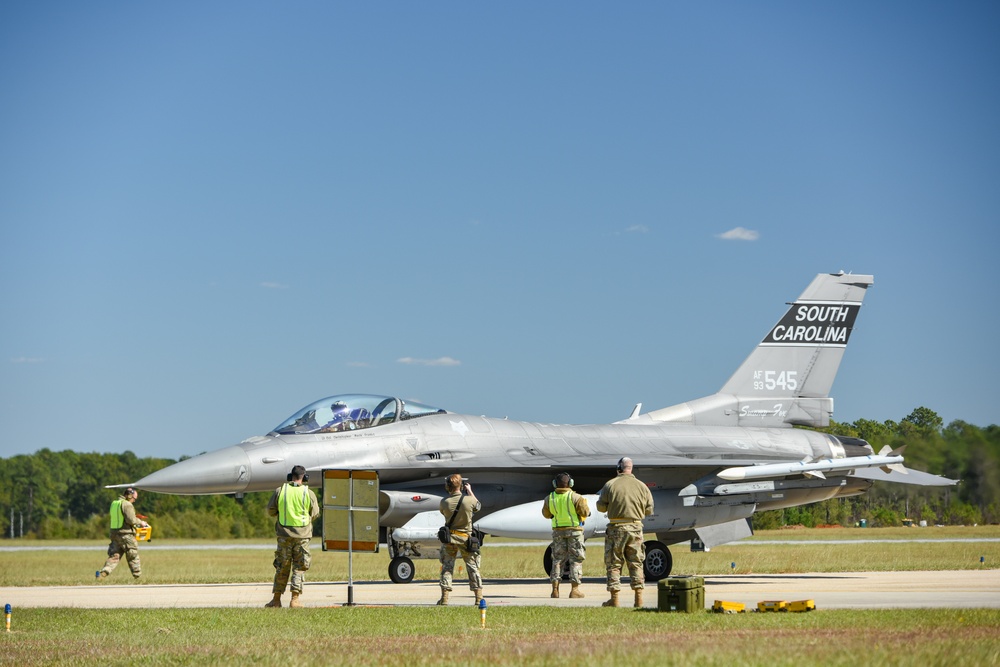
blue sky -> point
(212, 214)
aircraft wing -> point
(909, 477)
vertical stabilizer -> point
(786, 380)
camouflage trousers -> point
(448, 554)
(291, 560)
(567, 545)
(623, 544)
(123, 544)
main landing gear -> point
(657, 565)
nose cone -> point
(223, 471)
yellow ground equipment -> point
(724, 607)
(802, 605)
(144, 534)
(772, 605)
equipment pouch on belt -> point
(444, 535)
(472, 544)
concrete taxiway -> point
(830, 590)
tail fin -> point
(786, 380)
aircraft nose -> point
(223, 471)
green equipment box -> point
(681, 593)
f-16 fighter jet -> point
(710, 463)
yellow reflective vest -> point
(117, 516)
(293, 506)
(563, 510)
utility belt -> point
(470, 541)
(624, 522)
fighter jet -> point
(711, 463)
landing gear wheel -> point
(401, 570)
(658, 561)
(547, 562)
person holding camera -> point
(568, 510)
(295, 506)
(627, 502)
(458, 509)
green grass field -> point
(514, 635)
(843, 551)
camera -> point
(465, 483)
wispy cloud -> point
(440, 361)
(637, 229)
(27, 360)
(269, 285)
(739, 234)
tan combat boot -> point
(576, 592)
(638, 598)
(479, 596)
(276, 602)
(444, 598)
(555, 589)
(296, 602)
(613, 602)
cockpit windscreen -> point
(348, 412)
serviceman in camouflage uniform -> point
(568, 510)
(463, 503)
(296, 507)
(627, 501)
(123, 524)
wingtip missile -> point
(817, 468)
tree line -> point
(53, 495)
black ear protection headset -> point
(305, 477)
(556, 486)
(621, 464)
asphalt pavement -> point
(837, 590)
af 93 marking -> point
(775, 380)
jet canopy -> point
(348, 412)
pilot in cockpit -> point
(340, 419)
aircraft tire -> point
(401, 570)
(547, 562)
(658, 561)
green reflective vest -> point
(563, 510)
(293, 506)
(117, 516)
